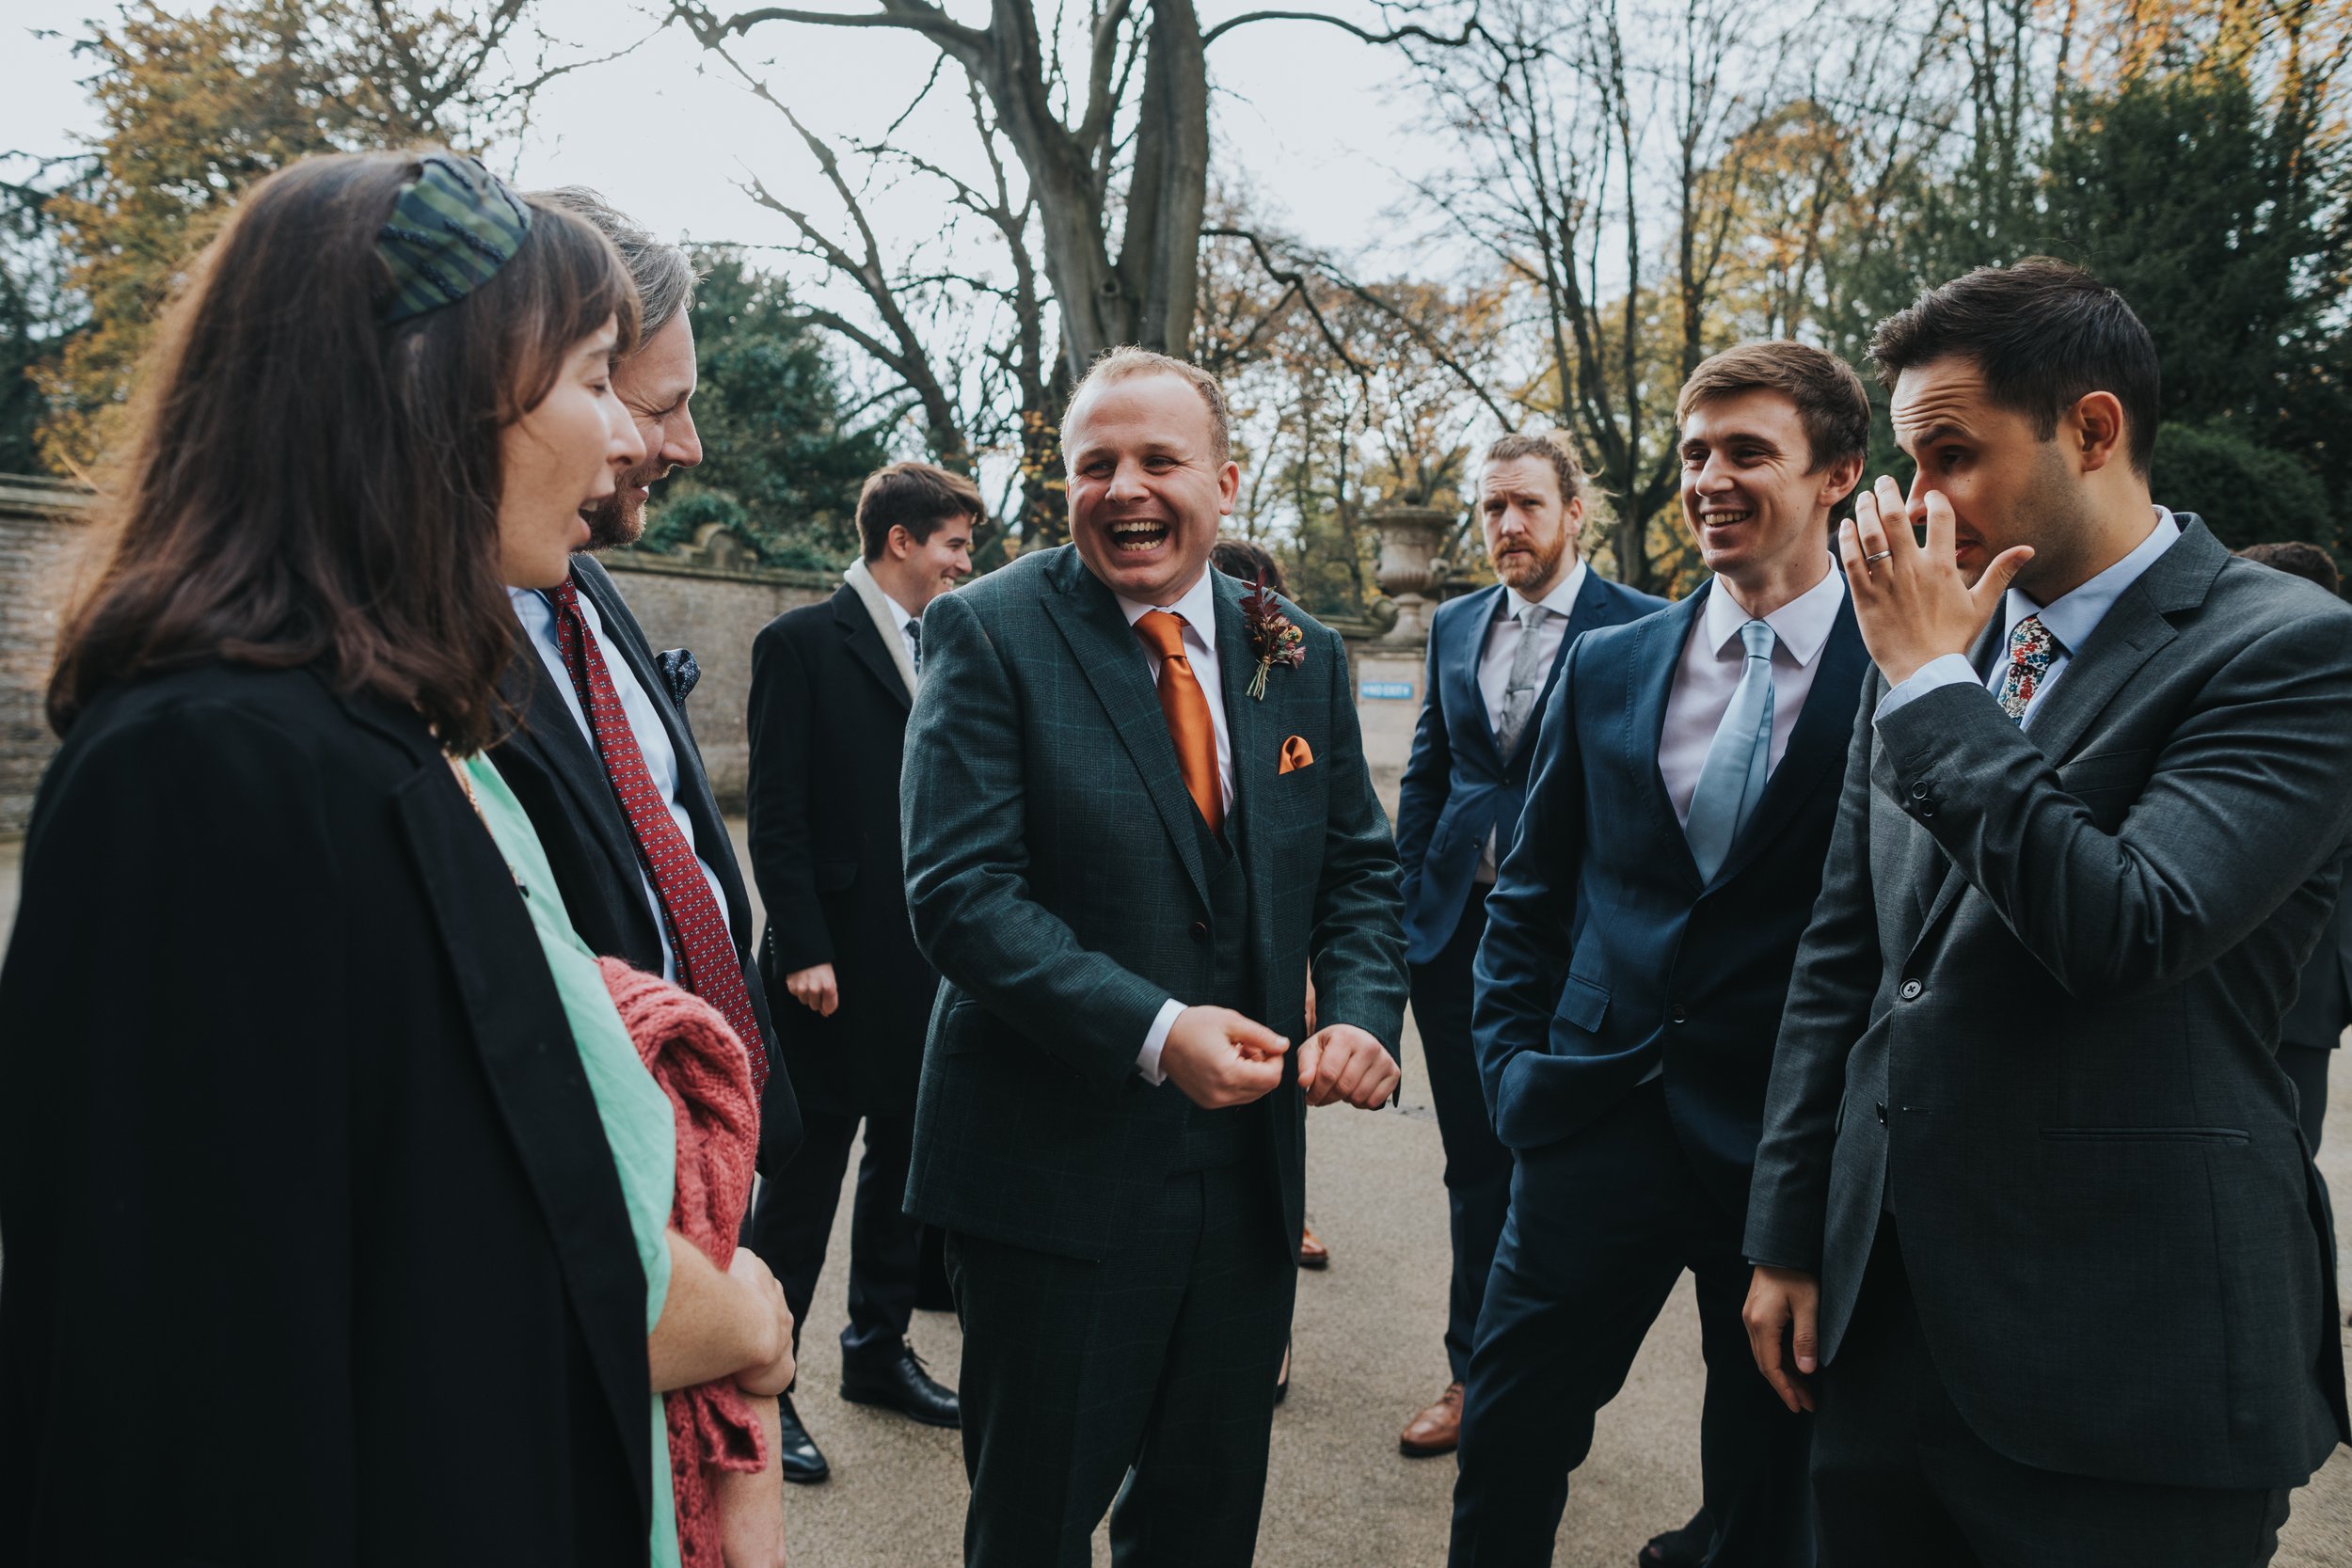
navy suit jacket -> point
(1457, 788)
(1605, 955)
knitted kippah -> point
(451, 228)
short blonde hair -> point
(1127, 362)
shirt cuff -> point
(1156, 1040)
(1950, 669)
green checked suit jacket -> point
(1054, 878)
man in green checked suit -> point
(1123, 865)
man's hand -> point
(1912, 604)
(774, 1375)
(1218, 1058)
(1784, 1302)
(751, 1504)
(815, 989)
(1345, 1063)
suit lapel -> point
(1253, 740)
(1459, 664)
(551, 738)
(1817, 744)
(863, 641)
(1104, 648)
(2126, 638)
(1649, 682)
(713, 845)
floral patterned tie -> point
(2030, 649)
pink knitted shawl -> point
(701, 1064)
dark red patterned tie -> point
(706, 960)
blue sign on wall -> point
(1387, 690)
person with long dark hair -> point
(308, 1165)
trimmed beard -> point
(612, 524)
(1545, 563)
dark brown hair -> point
(1552, 447)
(917, 496)
(1832, 404)
(305, 486)
(2044, 335)
(1248, 561)
(2301, 559)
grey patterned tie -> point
(1526, 678)
(915, 645)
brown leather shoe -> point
(1437, 1430)
(1313, 1254)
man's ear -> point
(2094, 426)
(1839, 481)
(899, 543)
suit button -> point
(1910, 991)
(1919, 790)
(1924, 810)
(1881, 1111)
(1676, 1015)
(1199, 930)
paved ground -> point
(1368, 1353)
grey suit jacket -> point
(2038, 1005)
(1054, 877)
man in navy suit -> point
(1638, 951)
(1493, 657)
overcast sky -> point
(1305, 113)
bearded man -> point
(604, 760)
(1135, 811)
(1493, 656)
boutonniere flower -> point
(1273, 637)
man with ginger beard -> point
(1136, 813)
(1493, 656)
(604, 760)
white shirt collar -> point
(1802, 625)
(2073, 617)
(1561, 601)
(906, 616)
(1198, 607)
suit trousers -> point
(1159, 1358)
(1477, 1165)
(1602, 1225)
(793, 1223)
(1898, 1477)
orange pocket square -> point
(1296, 754)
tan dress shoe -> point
(1437, 1430)
(1313, 1254)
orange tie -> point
(1186, 707)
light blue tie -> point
(1737, 761)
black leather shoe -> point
(895, 1378)
(1686, 1547)
(796, 1455)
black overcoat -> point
(315, 1249)
(827, 728)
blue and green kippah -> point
(452, 226)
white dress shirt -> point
(907, 634)
(1712, 662)
(1197, 609)
(1494, 668)
(2070, 619)
(537, 614)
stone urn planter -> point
(1409, 568)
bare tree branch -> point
(1470, 28)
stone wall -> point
(715, 608)
(707, 597)
(44, 536)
